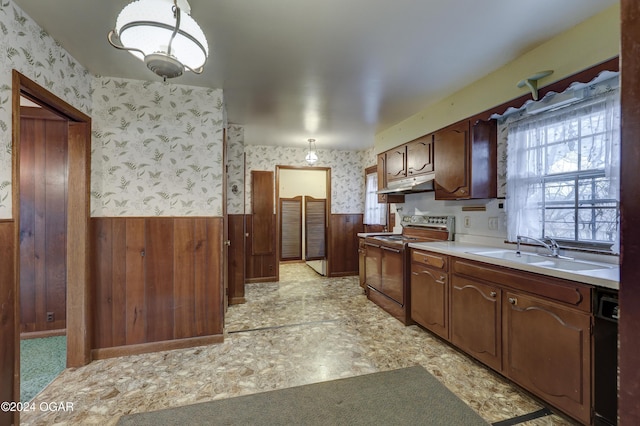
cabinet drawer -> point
(434, 260)
(568, 292)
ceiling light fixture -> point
(311, 157)
(163, 35)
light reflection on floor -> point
(303, 329)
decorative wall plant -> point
(156, 149)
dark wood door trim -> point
(328, 210)
(629, 356)
(78, 329)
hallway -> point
(301, 330)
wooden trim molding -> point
(559, 86)
(145, 348)
(78, 253)
(629, 334)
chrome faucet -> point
(553, 246)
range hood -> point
(407, 186)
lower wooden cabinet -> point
(547, 350)
(533, 329)
(476, 320)
(430, 292)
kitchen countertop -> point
(371, 234)
(608, 278)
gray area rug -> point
(41, 361)
(408, 396)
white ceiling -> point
(337, 71)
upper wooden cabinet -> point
(409, 160)
(420, 156)
(396, 163)
(465, 161)
(382, 182)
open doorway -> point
(43, 185)
(303, 197)
(76, 216)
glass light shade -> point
(147, 25)
(311, 158)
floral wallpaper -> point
(26, 47)
(347, 172)
(156, 149)
(235, 163)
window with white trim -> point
(563, 174)
(374, 213)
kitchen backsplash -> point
(490, 224)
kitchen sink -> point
(543, 261)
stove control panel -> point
(441, 222)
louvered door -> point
(315, 228)
(291, 228)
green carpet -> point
(408, 396)
(41, 361)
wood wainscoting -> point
(237, 231)
(343, 244)
(8, 311)
(158, 283)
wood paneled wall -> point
(8, 329)
(343, 244)
(156, 279)
(236, 258)
(43, 222)
(260, 267)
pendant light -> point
(311, 157)
(163, 35)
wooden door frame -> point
(629, 355)
(78, 213)
(328, 212)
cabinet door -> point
(451, 147)
(362, 250)
(372, 266)
(429, 299)
(547, 351)
(420, 156)
(396, 163)
(393, 274)
(475, 320)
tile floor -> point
(301, 330)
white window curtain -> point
(374, 213)
(545, 152)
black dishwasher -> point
(605, 345)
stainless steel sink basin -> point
(543, 261)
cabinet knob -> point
(493, 294)
(142, 253)
(513, 300)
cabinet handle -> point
(142, 253)
(493, 294)
(390, 249)
(513, 300)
